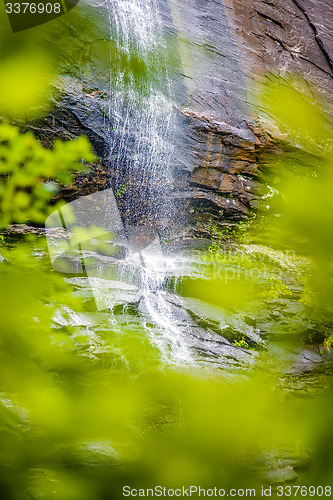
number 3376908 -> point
(304, 491)
(33, 8)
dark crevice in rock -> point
(186, 76)
(212, 49)
(270, 19)
(317, 37)
(205, 16)
(281, 43)
(316, 66)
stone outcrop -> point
(226, 47)
(223, 48)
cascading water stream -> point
(142, 113)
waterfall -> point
(116, 236)
(141, 111)
(142, 115)
(122, 254)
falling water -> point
(142, 115)
(141, 111)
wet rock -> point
(236, 185)
(107, 293)
(281, 476)
(232, 327)
(307, 360)
(224, 48)
(208, 345)
(22, 229)
(301, 360)
(283, 467)
(230, 208)
(77, 110)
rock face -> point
(78, 110)
(225, 47)
(221, 49)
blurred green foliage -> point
(84, 412)
(29, 173)
(299, 216)
(83, 44)
(82, 415)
